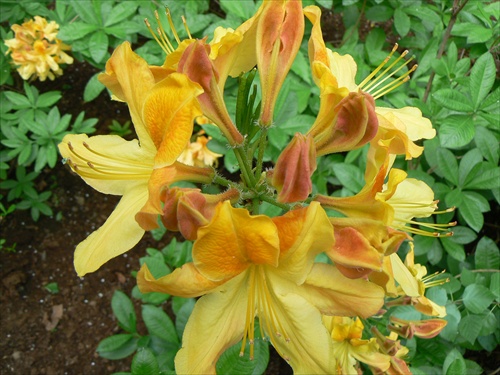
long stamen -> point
(184, 22)
(160, 42)
(370, 84)
(392, 86)
(386, 60)
(162, 33)
(172, 27)
(250, 319)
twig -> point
(454, 14)
(480, 270)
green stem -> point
(255, 206)
(262, 149)
(272, 201)
(223, 181)
(245, 167)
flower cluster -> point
(36, 51)
(246, 265)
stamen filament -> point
(372, 74)
(250, 318)
(160, 43)
(172, 27)
(390, 87)
(184, 22)
(385, 71)
(370, 88)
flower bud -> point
(294, 168)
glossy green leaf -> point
(93, 88)
(477, 298)
(350, 176)
(454, 249)
(145, 363)
(98, 45)
(123, 309)
(75, 31)
(495, 285)
(487, 143)
(451, 357)
(447, 164)
(487, 178)
(402, 22)
(159, 323)
(120, 12)
(482, 78)
(469, 166)
(471, 209)
(453, 99)
(117, 346)
(487, 255)
(463, 235)
(469, 327)
(456, 131)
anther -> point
(70, 146)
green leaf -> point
(48, 99)
(475, 33)
(123, 308)
(159, 324)
(145, 363)
(75, 31)
(120, 12)
(473, 368)
(453, 99)
(451, 357)
(490, 324)
(379, 13)
(93, 88)
(454, 249)
(477, 298)
(482, 78)
(487, 143)
(463, 235)
(98, 45)
(19, 101)
(350, 176)
(244, 9)
(456, 131)
(448, 165)
(85, 12)
(469, 166)
(183, 315)
(495, 285)
(117, 346)
(487, 255)
(471, 209)
(230, 361)
(402, 22)
(485, 179)
(458, 366)
(453, 318)
(469, 327)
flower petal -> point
(233, 241)
(184, 282)
(108, 163)
(117, 235)
(216, 323)
(334, 294)
(303, 234)
(169, 112)
(129, 78)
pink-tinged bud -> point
(189, 209)
(196, 64)
(280, 30)
(424, 329)
(349, 125)
(294, 168)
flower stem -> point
(262, 149)
(246, 169)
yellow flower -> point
(349, 347)
(197, 153)
(247, 266)
(36, 51)
(413, 281)
(334, 74)
(163, 113)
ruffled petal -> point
(233, 241)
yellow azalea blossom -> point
(246, 266)
(391, 346)
(335, 75)
(413, 281)
(162, 112)
(36, 51)
(197, 153)
(349, 347)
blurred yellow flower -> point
(198, 154)
(36, 51)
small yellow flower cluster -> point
(36, 51)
